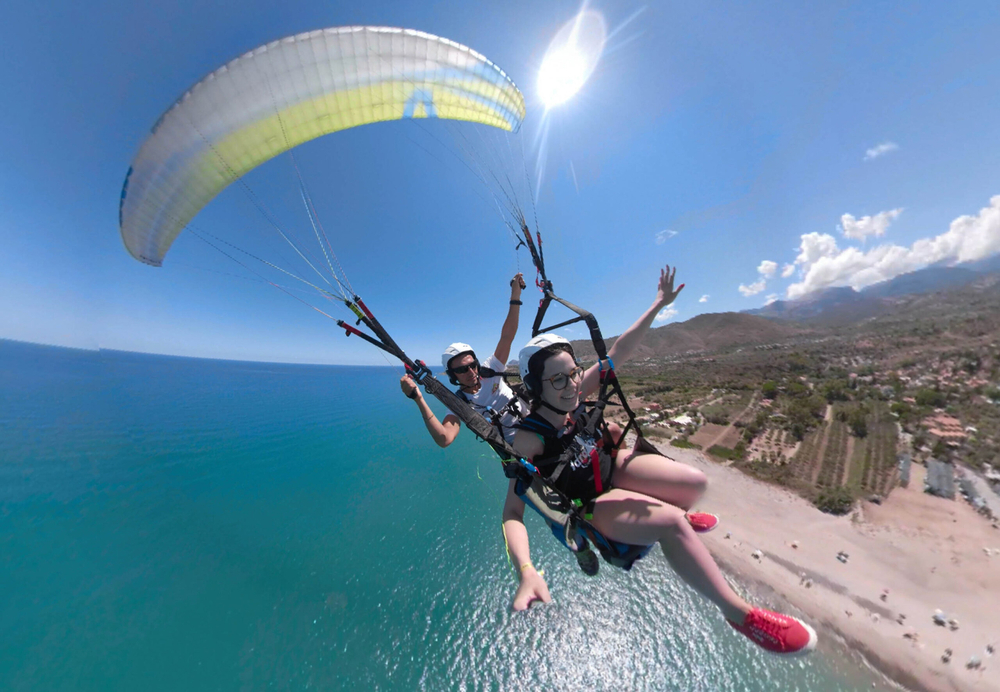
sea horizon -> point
(105, 349)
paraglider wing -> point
(289, 92)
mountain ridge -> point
(843, 304)
(837, 307)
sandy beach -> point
(905, 559)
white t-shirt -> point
(493, 395)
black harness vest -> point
(575, 463)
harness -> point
(573, 527)
(581, 470)
(512, 407)
(578, 465)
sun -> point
(571, 58)
(562, 74)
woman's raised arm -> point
(626, 344)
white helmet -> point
(531, 348)
(456, 349)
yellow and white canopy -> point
(286, 93)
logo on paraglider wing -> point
(420, 97)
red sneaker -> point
(702, 522)
(780, 634)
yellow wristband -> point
(526, 564)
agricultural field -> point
(806, 462)
(835, 456)
(873, 466)
(726, 408)
(831, 457)
(776, 446)
(711, 434)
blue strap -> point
(536, 426)
(528, 465)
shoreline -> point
(909, 556)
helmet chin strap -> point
(553, 408)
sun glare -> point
(571, 58)
(563, 73)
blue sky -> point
(840, 144)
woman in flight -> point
(635, 497)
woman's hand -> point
(531, 589)
(665, 291)
(409, 387)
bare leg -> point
(638, 519)
(656, 476)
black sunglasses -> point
(462, 369)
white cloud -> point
(859, 229)
(703, 299)
(771, 298)
(666, 313)
(664, 235)
(767, 268)
(815, 246)
(968, 238)
(880, 150)
(787, 271)
(753, 289)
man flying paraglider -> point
(480, 384)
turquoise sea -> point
(181, 524)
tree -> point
(798, 431)
(971, 362)
(940, 450)
(797, 389)
(858, 422)
(930, 397)
(834, 390)
(900, 408)
(769, 389)
(835, 500)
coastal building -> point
(682, 420)
(947, 428)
